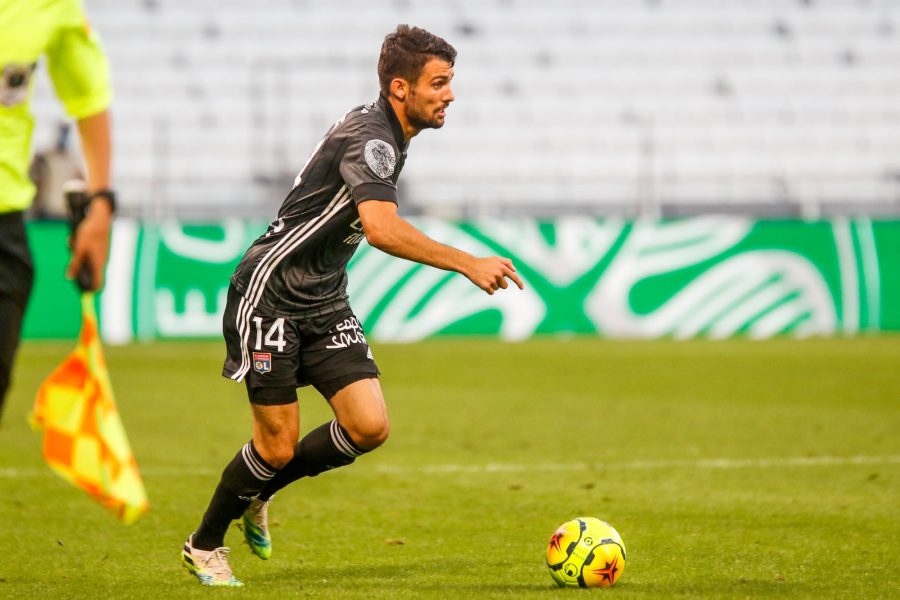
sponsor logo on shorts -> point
(347, 333)
(262, 362)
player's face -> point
(430, 96)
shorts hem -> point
(331, 387)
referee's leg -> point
(13, 311)
(16, 277)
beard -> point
(419, 117)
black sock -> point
(242, 480)
(324, 448)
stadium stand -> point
(627, 107)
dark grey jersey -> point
(298, 267)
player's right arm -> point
(389, 232)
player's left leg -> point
(336, 359)
(361, 411)
(360, 426)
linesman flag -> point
(84, 439)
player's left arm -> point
(389, 232)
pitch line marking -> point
(703, 463)
(638, 465)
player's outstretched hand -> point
(490, 274)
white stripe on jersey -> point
(267, 265)
(340, 200)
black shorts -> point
(274, 356)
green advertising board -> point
(708, 276)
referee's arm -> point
(91, 241)
(389, 232)
(79, 69)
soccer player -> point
(287, 321)
(58, 31)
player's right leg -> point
(271, 385)
(209, 566)
(276, 443)
(275, 433)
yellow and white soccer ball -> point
(586, 552)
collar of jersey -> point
(394, 121)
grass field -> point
(732, 470)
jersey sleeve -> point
(78, 65)
(368, 167)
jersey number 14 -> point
(274, 337)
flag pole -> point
(84, 437)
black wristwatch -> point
(108, 195)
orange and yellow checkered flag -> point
(84, 439)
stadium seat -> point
(591, 105)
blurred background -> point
(749, 150)
(634, 107)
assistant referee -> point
(51, 34)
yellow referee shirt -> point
(57, 30)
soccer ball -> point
(586, 552)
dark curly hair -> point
(405, 52)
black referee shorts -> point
(274, 356)
(16, 277)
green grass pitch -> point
(732, 470)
